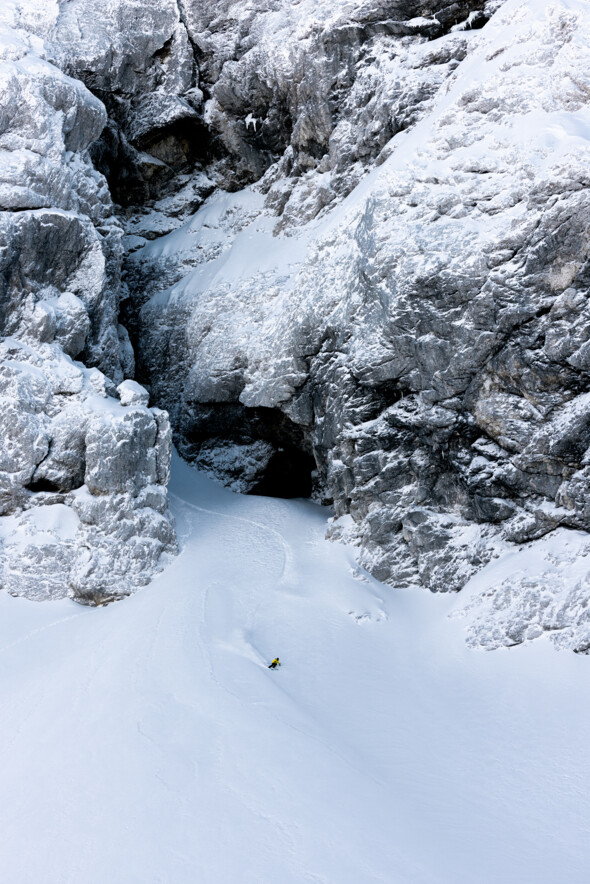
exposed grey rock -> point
(427, 337)
(188, 84)
(239, 466)
(279, 76)
(137, 58)
(82, 478)
(82, 481)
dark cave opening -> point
(142, 171)
(43, 485)
(180, 144)
(290, 470)
(288, 474)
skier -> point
(274, 663)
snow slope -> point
(148, 742)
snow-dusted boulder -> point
(60, 245)
(47, 122)
(132, 393)
(82, 481)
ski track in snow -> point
(34, 632)
(288, 555)
(148, 742)
(288, 561)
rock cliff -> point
(419, 334)
(396, 316)
(83, 462)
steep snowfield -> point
(148, 742)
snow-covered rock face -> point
(423, 331)
(313, 77)
(137, 58)
(82, 478)
(236, 88)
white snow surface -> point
(147, 741)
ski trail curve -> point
(34, 632)
(288, 558)
(216, 606)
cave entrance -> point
(257, 450)
(43, 485)
(288, 474)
